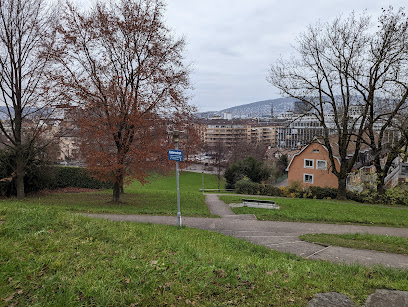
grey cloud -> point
(233, 42)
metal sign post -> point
(177, 155)
(178, 191)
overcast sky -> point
(231, 43)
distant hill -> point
(3, 112)
(256, 109)
(263, 107)
(27, 111)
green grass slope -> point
(325, 211)
(158, 197)
(49, 257)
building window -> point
(321, 164)
(309, 163)
(315, 150)
(307, 178)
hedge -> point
(76, 177)
(321, 193)
(246, 186)
(54, 177)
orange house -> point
(311, 167)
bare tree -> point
(344, 67)
(242, 149)
(218, 152)
(384, 88)
(124, 71)
(323, 77)
(26, 34)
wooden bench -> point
(256, 203)
(259, 201)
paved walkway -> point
(281, 236)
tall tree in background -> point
(330, 55)
(242, 149)
(123, 70)
(218, 152)
(341, 65)
(26, 34)
(384, 88)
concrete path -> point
(281, 236)
(218, 207)
(201, 168)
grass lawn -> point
(159, 197)
(396, 245)
(325, 211)
(50, 257)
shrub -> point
(38, 177)
(246, 186)
(395, 196)
(44, 177)
(76, 177)
(38, 174)
(295, 189)
(255, 170)
(271, 190)
(321, 193)
(232, 175)
(353, 195)
(284, 191)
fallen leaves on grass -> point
(8, 299)
(220, 273)
(272, 272)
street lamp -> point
(176, 137)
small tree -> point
(123, 70)
(218, 153)
(283, 162)
(26, 36)
(242, 149)
(38, 160)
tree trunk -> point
(122, 189)
(116, 192)
(380, 186)
(20, 173)
(342, 189)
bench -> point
(259, 201)
(256, 203)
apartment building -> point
(231, 132)
(263, 133)
(297, 130)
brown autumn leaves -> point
(122, 71)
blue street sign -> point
(175, 155)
